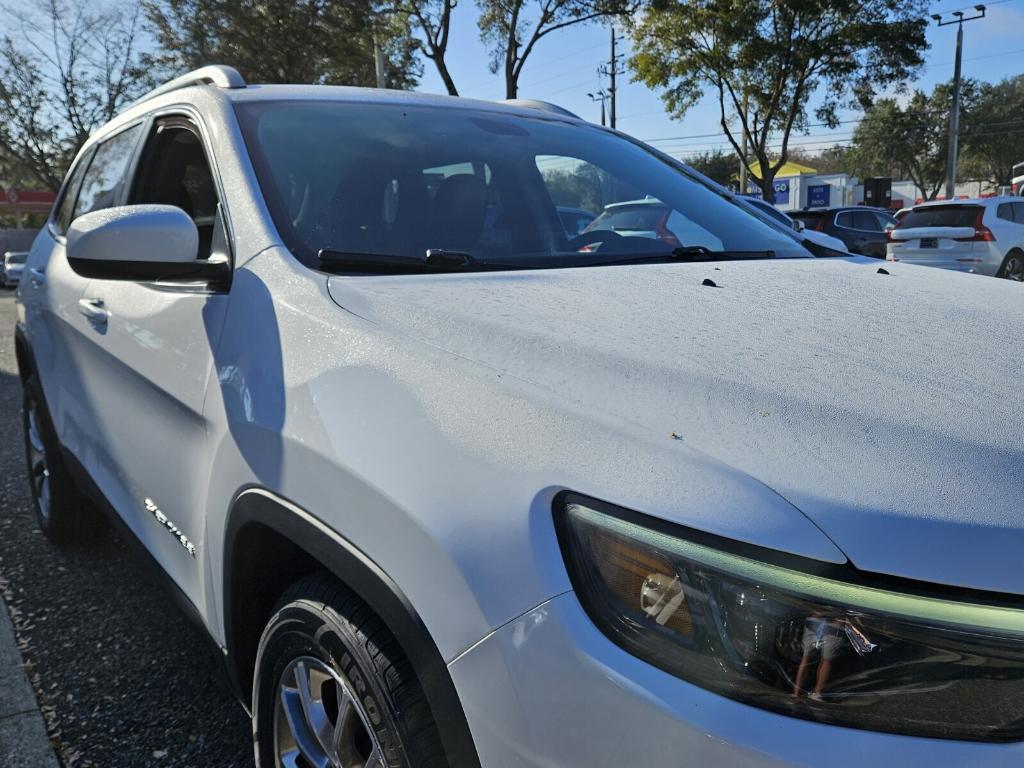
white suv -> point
(450, 488)
(984, 236)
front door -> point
(152, 364)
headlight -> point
(791, 640)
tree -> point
(993, 139)
(511, 31)
(66, 67)
(910, 141)
(763, 59)
(433, 18)
(716, 164)
(284, 41)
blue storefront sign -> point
(818, 195)
(781, 191)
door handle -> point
(38, 275)
(94, 311)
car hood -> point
(884, 403)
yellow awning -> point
(788, 169)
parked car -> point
(650, 218)
(860, 227)
(11, 267)
(984, 236)
(1018, 179)
(574, 220)
(446, 490)
(898, 216)
(826, 241)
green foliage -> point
(773, 54)
(910, 141)
(721, 166)
(284, 41)
(993, 136)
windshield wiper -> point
(434, 260)
(682, 253)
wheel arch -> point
(23, 355)
(262, 525)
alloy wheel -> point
(1014, 269)
(38, 465)
(319, 722)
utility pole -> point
(611, 69)
(954, 115)
(601, 96)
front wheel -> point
(333, 689)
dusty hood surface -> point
(888, 408)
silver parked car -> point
(10, 268)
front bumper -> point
(548, 689)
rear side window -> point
(106, 177)
(62, 216)
(845, 219)
(1018, 211)
(1005, 212)
(942, 216)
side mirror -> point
(139, 242)
(799, 225)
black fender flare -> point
(357, 571)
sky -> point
(563, 69)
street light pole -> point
(954, 115)
(601, 96)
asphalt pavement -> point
(121, 676)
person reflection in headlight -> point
(824, 636)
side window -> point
(883, 220)
(1018, 211)
(62, 214)
(105, 179)
(175, 171)
(845, 219)
(866, 221)
(1005, 212)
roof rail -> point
(543, 106)
(219, 75)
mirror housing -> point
(139, 242)
(799, 225)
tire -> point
(64, 515)
(324, 634)
(1013, 267)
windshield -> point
(401, 180)
(941, 216)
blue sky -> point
(563, 68)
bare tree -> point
(433, 18)
(66, 67)
(512, 28)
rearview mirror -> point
(139, 242)
(799, 225)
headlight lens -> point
(794, 642)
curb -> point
(23, 739)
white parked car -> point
(984, 236)
(447, 489)
(11, 267)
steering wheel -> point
(594, 236)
